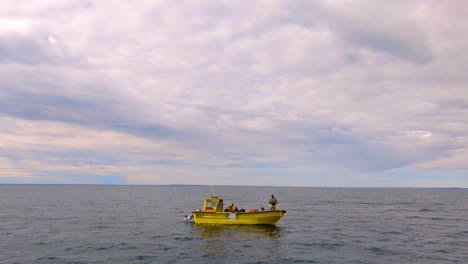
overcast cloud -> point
(305, 93)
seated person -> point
(229, 208)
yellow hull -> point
(239, 218)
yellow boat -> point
(213, 213)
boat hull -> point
(239, 218)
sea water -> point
(145, 224)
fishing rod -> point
(212, 191)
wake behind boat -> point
(213, 213)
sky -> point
(278, 93)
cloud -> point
(154, 92)
(365, 25)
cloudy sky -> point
(288, 93)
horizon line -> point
(236, 185)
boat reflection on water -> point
(220, 238)
(239, 231)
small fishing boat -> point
(213, 213)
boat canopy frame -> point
(213, 204)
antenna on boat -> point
(212, 191)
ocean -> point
(145, 224)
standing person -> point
(273, 202)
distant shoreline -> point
(202, 185)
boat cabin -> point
(213, 204)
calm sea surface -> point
(144, 224)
